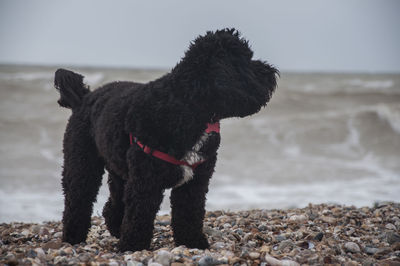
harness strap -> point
(168, 158)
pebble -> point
(40, 253)
(392, 237)
(35, 229)
(280, 238)
(319, 236)
(43, 231)
(218, 245)
(298, 218)
(207, 261)
(25, 232)
(275, 262)
(58, 235)
(212, 232)
(113, 263)
(390, 226)
(352, 247)
(31, 253)
(84, 257)
(254, 255)
(134, 263)
(371, 250)
(68, 250)
(54, 244)
(154, 264)
(329, 219)
(163, 257)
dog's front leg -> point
(188, 208)
(143, 195)
(137, 226)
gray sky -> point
(307, 35)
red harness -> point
(168, 158)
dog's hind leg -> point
(113, 210)
(82, 174)
(188, 207)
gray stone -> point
(35, 229)
(286, 244)
(207, 261)
(390, 226)
(31, 254)
(84, 257)
(262, 227)
(40, 253)
(352, 247)
(392, 238)
(212, 232)
(280, 238)
(371, 250)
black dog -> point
(154, 136)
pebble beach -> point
(315, 235)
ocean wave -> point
(90, 78)
(380, 185)
(389, 113)
(27, 76)
(346, 86)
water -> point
(323, 138)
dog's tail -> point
(71, 88)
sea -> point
(323, 138)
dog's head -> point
(223, 77)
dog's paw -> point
(73, 239)
(132, 246)
(198, 242)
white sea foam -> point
(94, 79)
(391, 114)
(371, 84)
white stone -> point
(163, 257)
(298, 218)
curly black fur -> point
(216, 79)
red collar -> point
(215, 127)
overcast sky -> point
(307, 35)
